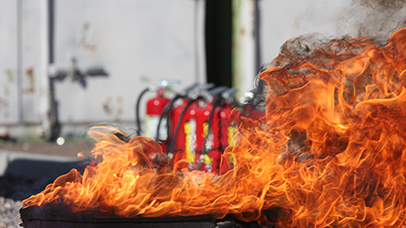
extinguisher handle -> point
(186, 90)
(207, 86)
(215, 92)
(249, 96)
(200, 91)
(229, 93)
(166, 83)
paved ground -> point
(41, 147)
(34, 159)
(28, 165)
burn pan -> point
(36, 217)
(50, 217)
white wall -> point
(137, 43)
(33, 59)
(9, 96)
(143, 41)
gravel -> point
(9, 212)
(12, 191)
(15, 189)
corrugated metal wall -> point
(137, 43)
(9, 80)
(140, 42)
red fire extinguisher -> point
(178, 136)
(210, 150)
(208, 143)
(202, 110)
(228, 122)
(186, 134)
(228, 129)
(191, 129)
(165, 120)
(186, 130)
(155, 106)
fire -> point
(330, 150)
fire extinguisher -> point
(229, 116)
(208, 141)
(155, 106)
(250, 108)
(172, 114)
(177, 140)
(165, 119)
(227, 122)
(184, 129)
(209, 144)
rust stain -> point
(4, 108)
(119, 108)
(108, 106)
(242, 31)
(114, 107)
(31, 76)
(86, 41)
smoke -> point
(356, 18)
(380, 19)
(331, 24)
(395, 4)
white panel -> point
(8, 63)
(34, 51)
(282, 20)
(136, 42)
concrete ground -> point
(33, 158)
(70, 148)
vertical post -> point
(51, 19)
(257, 26)
(218, 29)
(200, 71)
(55, 126)
(46, 60)
(244, 45)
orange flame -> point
(330, 151)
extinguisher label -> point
(209, 143)
(152, 125)
(190, 131)
(231, 132)
(207, 159)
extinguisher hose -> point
(172, 146)
(137, 111)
